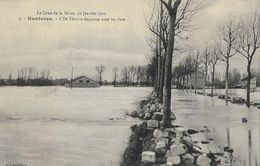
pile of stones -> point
(150, 109)
(175, 147)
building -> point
(200, 80)
(243, 83)
(83, 82)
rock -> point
(160, 148)
(244, 120)
(160, 151)
(168, 153)
(148, 116)
(175, 140)
(160, 108)
(134, 113)
(148, 156)
(157, 133)
(187, 159)
(203, 160)
(158, 116)
(146, 109)
(196, 149)
(185, 133)
(166, 140)
(174, 160)
(169, 164)
(179, 131)
(173, 117)
(141, 115)
(191, 131)
(152, 123)
(205, 142)
(166, 134)
(161, 160)
(228, 149)
(187, 141)
(178, 149)
(161, 144)
(153, 108)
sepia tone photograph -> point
(129, 83)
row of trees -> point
(29, 76)
(170, 23)
(129, 75)
(235, 37)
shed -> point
(83, 82)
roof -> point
(246, 78)
(77, 78)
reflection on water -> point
(224, 125)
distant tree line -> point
(29, 76)
(129, 75)
(136, 76)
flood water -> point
(58, 126)
(63, 127)
(224, 123)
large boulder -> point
(187, 159)
(174, 160)
(148, 116)
(157, 133)
(152, 123)
(187, 141)
(178, 149)
(153, 108)
(160, 148)
(134, 113)
(203, 160)
(148, 156)
(158, 116)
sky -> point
(59, 45)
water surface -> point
(62, 127)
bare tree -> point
(172, 11)
(205, 59)
(115, 71)
(197, 63)
(100, 70)
(248, 43)
(180, 13)
(214, 60)
(228, 34)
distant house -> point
(83, 82)
(243, 83)
(200, 80)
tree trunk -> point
(196, 76)
(226, 82)
(187, 83)
(213, 80)
(158, 76)
(162, 79)
(183, 83)
(168, 75)
(248, 85)
(190, 84)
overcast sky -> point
(59, 45)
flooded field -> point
(224, 123)
(63, 127)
